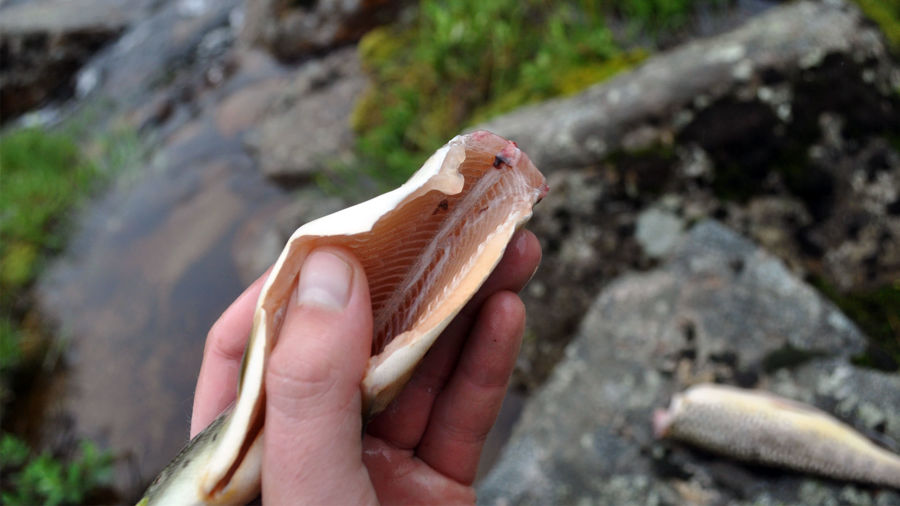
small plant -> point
(43, 175)
(656, 14)
(29, 479)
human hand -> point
(425, 447)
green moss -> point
(578, 78)
(19, 264)
(877, 312)
(566, 81)
(886, 14)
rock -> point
(309, 121)
(867, 399)
(177, 48)
(720, 309)
(290, 30)
(44, 43)
(657, 231)
(586, 228)
(245, 108)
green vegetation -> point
(45, 479)
(886, 14)
(655, 14)
(44, 176)
(460, 62)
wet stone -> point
(586, 435)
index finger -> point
(225, 343)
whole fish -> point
(426, 248)
(760, 427)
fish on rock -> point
(426, 247)
(760, 427)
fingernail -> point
(324, 281)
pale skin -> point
(425, 447)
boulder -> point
(782, 128)
(719, 309)
(308, 123)
(291, 29)
(169, 58)
(44, 43)
(756, 67)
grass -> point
(460, 62)
(44, 175)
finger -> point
(465, 411)
(400, 478)
(312, 445)
(217, 381)
(404, 420)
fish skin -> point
(178, 481)
(760, 427)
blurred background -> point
(724, 206)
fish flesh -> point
(760, 427)
(426, 248)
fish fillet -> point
(426, 248)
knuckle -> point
(294, 378)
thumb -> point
(312, 443)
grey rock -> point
(720, 309)
(657, 231)
(167, 50)
(779, 128)
(290, 30)
(867, 399)
(309, 122)
(45, 42)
